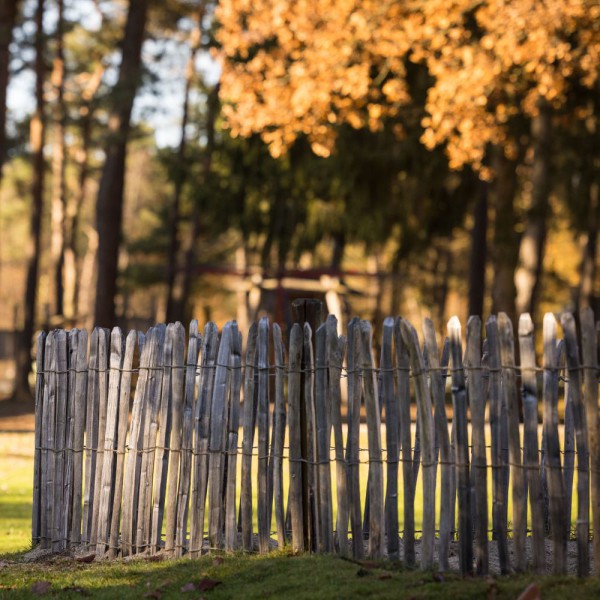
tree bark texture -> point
(109, 206)
(37, 135)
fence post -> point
(438, 391)
(249, 416)
(530, 441)
(477, 402)
(459, 396)
(581, 437)
(183, 495)
(36, 528)
(295, 433)
(235, 362)
(556, 484)
(375, 481)
(425, 418)
(352, 445)
(312, 313)
(589, 346)
(263, 435)
(499, 505)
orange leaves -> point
(308, 65)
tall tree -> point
(37, 136)
(8, 16)
(109, 206)
(181, 173)
(58, 202)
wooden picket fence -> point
(137, 441)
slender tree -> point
(8, 16)
(37, 136)
(109, 206)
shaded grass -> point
(279, 575)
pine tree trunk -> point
(478, 257)
(37, 134)
(58, 200)
(506, 248)
(533, 242)
(109, 206)
(585, 294)
(183, 277)
(181, 175)
(8, 15)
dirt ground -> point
(16, 416)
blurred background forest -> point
(162, 160)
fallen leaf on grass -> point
(156, 594)
(206, 584)
(88, 558)
(438, 577)
(188, 587)
(531, 592)
(41, 587)
(385, 576)
(218, 561)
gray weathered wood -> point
(530, 439)
(322, 412)
(210, 347)
(459, 397)
(123, 417)
(72, 348)
(109, 444)
(250, 398)
(233, 421)
(499, 506)
(403, 391)
(589, 348)
(311, 440)
(438, 387)
(556, 484)
(519, 491)
(36, 526)
(392, 428)
(352, 445)
(79, 407)
(581, 437)
(477, 402)
(133, 462)
(217, 439)
(103, 357)
(569, 439)
(425, 418)
(185, 471)
(174, 444)
(336, 348)
(149, 433)
(48, 447)
(375, 483)
(279, 419)
(59, 535)
(295, 465)
(263, 435)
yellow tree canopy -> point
(304, 66)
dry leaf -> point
(206, 584)
(41, 587)
(88, 558)
(188, 587)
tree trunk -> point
(8, 15)
(37, 134)
(533, 242)
(109, 207)
(58, 200)
(181, 172)
(585, 293)
(506, 247)
(183, 276)
(478, 257)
